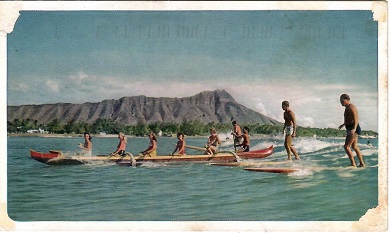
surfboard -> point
(231, 164)
(249, 163)
(271, 169)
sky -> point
(261, 58)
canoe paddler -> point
(87, 146)
(246, 141)
(121, 148)
(180, 146)
(212, 142)
(152, 149)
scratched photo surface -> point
(254, 58)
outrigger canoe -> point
(56, 157)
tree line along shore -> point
(107, 128)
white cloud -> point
(53, 86)
(305, 121)
(334, 87)
(23, 87)
(79, 78)
(93, 88)
(261, 108)
(314, 105)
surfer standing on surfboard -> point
(351, 123)
(289, 129)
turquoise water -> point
(323, 189)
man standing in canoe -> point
(351, 123)
(237, 134)
(290, 128)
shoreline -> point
(44, 135)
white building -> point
(36, 131)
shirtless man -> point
(351, 123)
(237, 134)
(246, 141)
(290, 128)
(212, 142)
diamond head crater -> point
(136, 115)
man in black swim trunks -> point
(351, 123)
(246, 141)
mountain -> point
(208, 106)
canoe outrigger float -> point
(57, 158)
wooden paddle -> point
(204, 150)
(196, 148)
(234, 143)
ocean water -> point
(323, 188)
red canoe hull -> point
(53, 158)
(42, 157)
(256, 154)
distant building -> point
(36, 131)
